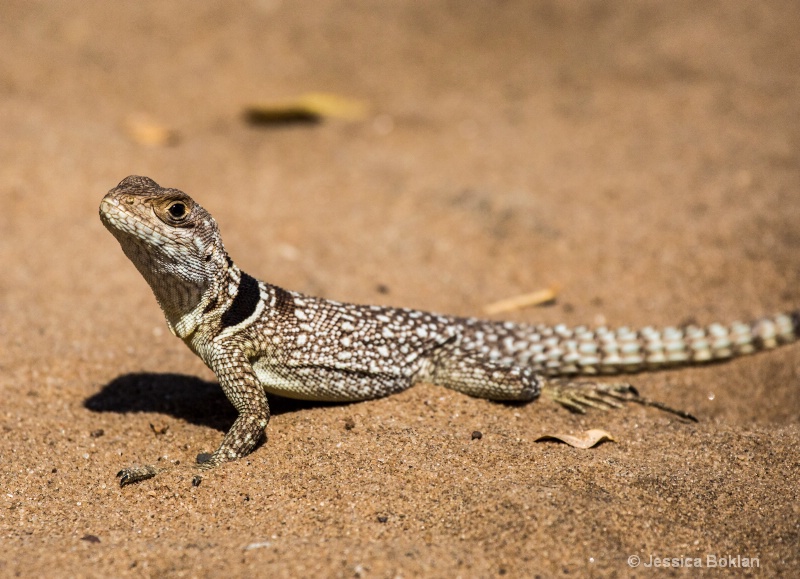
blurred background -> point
(509, 138)
(639, 157)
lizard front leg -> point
(241, 386)
(239, 382)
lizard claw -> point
(579, 396)
(134, 474)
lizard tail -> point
(559, 350)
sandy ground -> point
(644, 156)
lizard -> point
(260, 339)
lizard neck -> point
(187, 291)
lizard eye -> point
(177, 210)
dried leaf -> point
(309, 108)
(144, 130)
(536, 298)
(584, 440)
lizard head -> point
(173, 242)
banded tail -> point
(563, 351)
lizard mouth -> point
(108, 203)
(115, 219)
(106, 207)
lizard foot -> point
(134, 474)
(579, 396)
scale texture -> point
(258, 338)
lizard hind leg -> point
(580, 395)
(476, 376)
(485, 379)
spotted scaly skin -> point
(258, 338)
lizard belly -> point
(276, 381)
(326, 384)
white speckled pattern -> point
(258, 337)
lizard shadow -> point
(184, 397)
